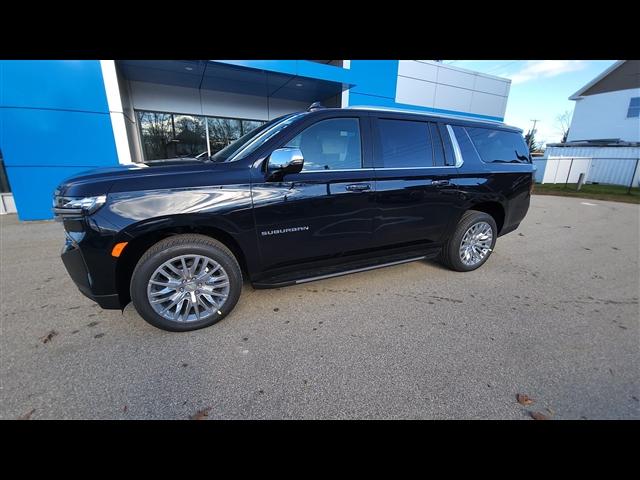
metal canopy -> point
(211, 75)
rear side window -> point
(330, 145)
(499, 146)
(405, 144)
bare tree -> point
(563, 123)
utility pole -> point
(533, 130)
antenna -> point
(315, 106)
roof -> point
(605, 142)
(457, 118)
(625, 82)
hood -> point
(139, 176)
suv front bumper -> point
(73, 261)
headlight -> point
(88, 204)
(78, 205)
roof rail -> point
(421, 112)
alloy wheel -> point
(188, 288)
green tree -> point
(530, 139)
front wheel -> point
(186, 282)
(472, 242)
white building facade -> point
(604, 137)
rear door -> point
(415, 172)
(327, 209)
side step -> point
(279, 281)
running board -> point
(336, 274)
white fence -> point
(612, 171)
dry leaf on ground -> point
(201, 414)
(524, 399)
(48, 336)
(538, 416)
(27, 416)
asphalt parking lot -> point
(554, 315)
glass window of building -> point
(222, 132)
(4, 180)
(634, 108)
(248, 125)
(176, 135)
(190, 135)
(156, 131)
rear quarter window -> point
(499, 146)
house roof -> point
(621, 84)
(605, 142)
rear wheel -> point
(472, 242)
(186, 282)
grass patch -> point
(614, 193)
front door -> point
(327, 209)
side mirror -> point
(283, 161)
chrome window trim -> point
(337, 170)
(456, 148)
(368, 169)
(415, 168)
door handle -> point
(358, 187)
(440, 183)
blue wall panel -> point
(34, 137)
(374, 77)
(33, 188)
(54, 123)
(57, 84)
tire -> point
(451, 256)
(209, 256)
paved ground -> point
(554, 314)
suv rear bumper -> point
(76, 267)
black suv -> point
(304, 197)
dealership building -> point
(62, 117)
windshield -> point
(254, 139)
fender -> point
(227, 208)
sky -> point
(540, 89)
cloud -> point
(535, 69)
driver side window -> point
(332, 144)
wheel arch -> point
(495, 209)
(137, 246)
